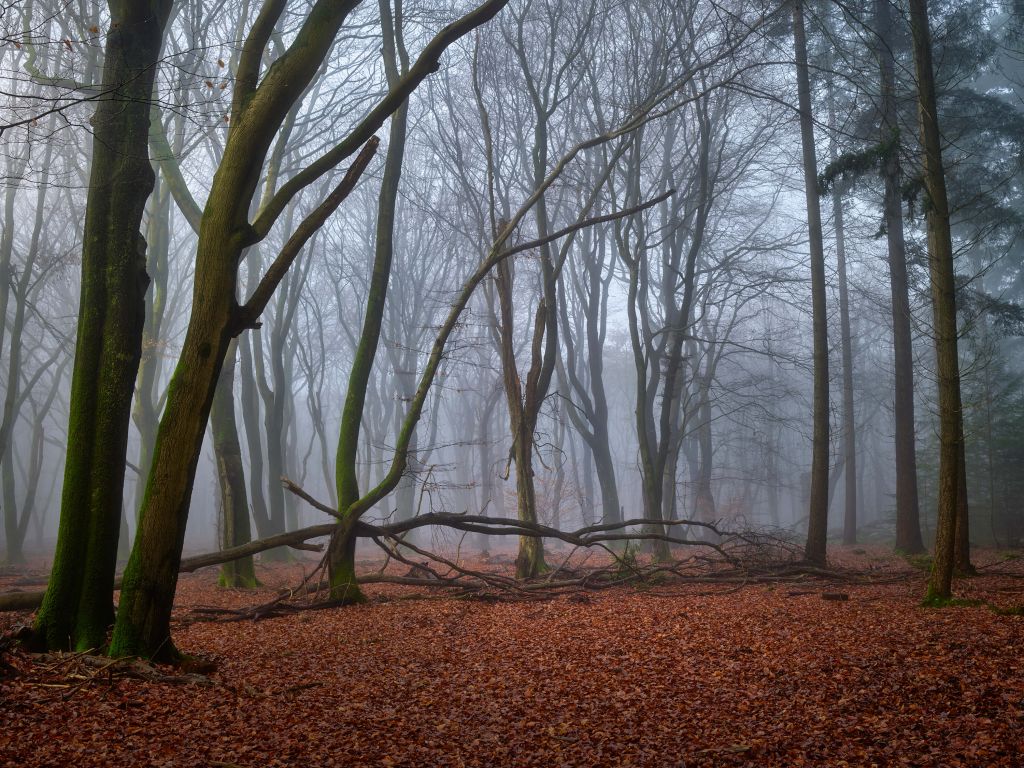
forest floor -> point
(698, 675)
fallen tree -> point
(588, 536)
(742, 551)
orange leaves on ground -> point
(664, 677)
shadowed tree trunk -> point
(817, 525)
(146, 408)
(235, 529)
(78, 608)
(943, 287)
(908, 523)
(15, 519)
(849, 417)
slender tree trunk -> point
(530, 560)
(235, 529)
(962, 547)
(78, 606)
(705, 499)
(849, 416)
(251, 421)
(908, 520)
(341, 551)
(405, 494)
(817, 526)
(145, 411)
(943, 285)
(14, 524)
(522, 411)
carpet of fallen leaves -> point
(755, 675)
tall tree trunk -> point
(849, 416)
(908, 519)
(943, 285)
(341, 551)
(150, 578)
(522, 410)
(817, 526)
(78, 605)
(145, 410)
(250, 403)
(15, 520)
(405, 380)
(962, 547)
(235, 529)
(704, 498)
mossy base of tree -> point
(345, 589)
(342, 568)
(57, 628)
(530, 561)
(123, 646)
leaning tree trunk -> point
(943, 285)
(78, 608)
(235, 529)
(817, 525)
(259, 107)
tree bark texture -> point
(78, 609)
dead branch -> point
(70, 672)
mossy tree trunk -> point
(943, 288)
(235, 529)
(258, 109)
(817, 527)
(78, 608)
(341, 557)
(351, 503)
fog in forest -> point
(614, 198)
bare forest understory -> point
(796, 670)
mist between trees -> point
(590, 267)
